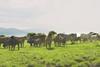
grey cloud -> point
(59, 15)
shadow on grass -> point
(50, 48)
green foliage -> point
(78, 55)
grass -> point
(77, 55)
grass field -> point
(77, 55)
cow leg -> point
(46, 45)
(72, 42)
(21, 45)
(34, 45)
(18, 47)
(0, 44)
(30, 44)
(64, 44)
(55, 44)
(40, 44)
(58, 44)
(14, 47)
(50, 45)
(9, 47)
(37, 44)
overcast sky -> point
(58, 15)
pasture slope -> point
(77, 55)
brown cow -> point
(21, 40)
(2, 40)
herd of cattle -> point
(39, 40)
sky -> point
(58, 15)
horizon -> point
(25, 32)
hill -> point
(12, 31)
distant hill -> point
(18, 32)
(12, 31)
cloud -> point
(23, 3)
(59, 15)
(20, 10)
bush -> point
(30, 65)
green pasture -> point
(77, 55)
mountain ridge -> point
(12, 31)
(15, 31)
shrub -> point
(30, 65)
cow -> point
(72, 37)
(12, 42)
(84, 37)
(21, 40)
(2, 40)
(36, 40)
(49, 39)
(60, 39)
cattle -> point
(21, 40)
(72, 37)
(90, 37)
(30, 40)
(49, 39)
(5, 42)
(93, 36)
(12, 42)
(60, 39)
(84, 37)
(78, 39)
(2, 40)
(40, 39)
(36, 40)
